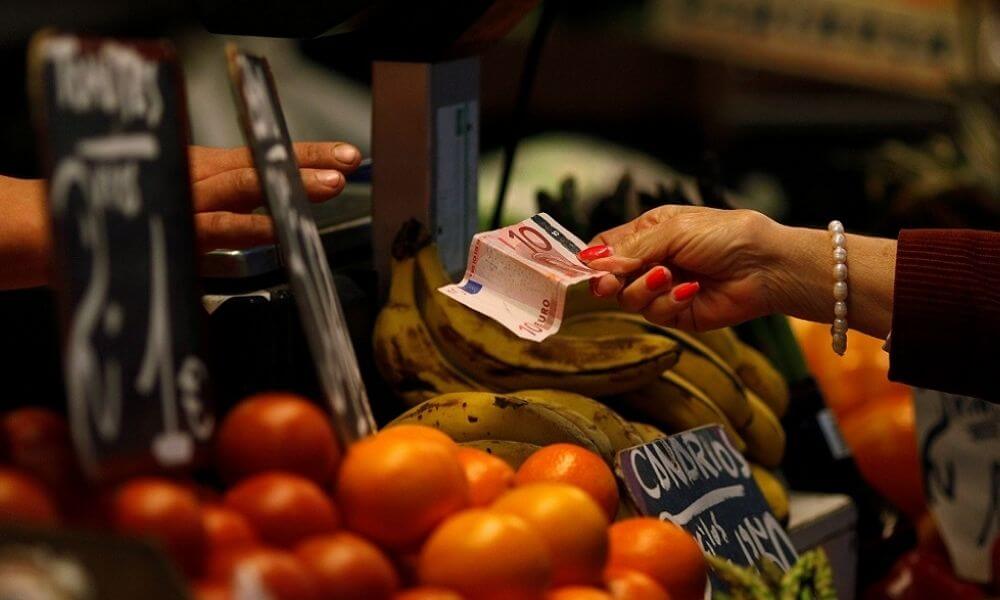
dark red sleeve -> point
(946, 311)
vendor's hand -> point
(686, 267)
(700, 268)
(225, 190)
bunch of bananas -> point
(427, 344)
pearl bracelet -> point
(839, 328)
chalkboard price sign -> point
(301, 248)
(113, 131)
(697, 480)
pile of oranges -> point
(406, 514)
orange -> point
(488, 476)
(661, 550)
(881, 434)
(571, 523)
(848, 381)
(273, 574)
(395, 490)
(575, 465)
(626, 584)
(418, 432)
(211, 590)
(24, 499)
(348, 567)
(486, 555)
(578, 592)
(277, 431)
(427, 593)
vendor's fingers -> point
(322, 184)
(239, 190)
(328, 155)
(638, 294)
(232, 231)
(605, 286)
(206, 162)
(666, 309)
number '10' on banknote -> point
(518, 276)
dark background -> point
(814, 137)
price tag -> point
(301, 248)
(113, 130)
(959, 443)
(697, 480)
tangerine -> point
(421, 432)
(165, 511)
(662, 550)
(277, 431)
(283, 508)
(571, 523)
(575, 465)
(487, 555)
(211, 590)
(394, 490)
(881, 434)
(348, 567)
(628, 584)
(488, 476)
(268, 573)
(23, 499)
(578, 592)
(225, 528)
(427, 593)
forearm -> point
(802, 278)
(24, 233)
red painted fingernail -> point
(656, 279)
(686, 291)
(594, 252)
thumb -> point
(631, 252)
(651, 245)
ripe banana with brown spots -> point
(474, 416)
(512, 453)
(648, 432)
(619, 432)
(764, 436)
(763, 379)
(775, 492)
(406, 355)
(676, 405)
(697, 364)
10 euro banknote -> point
(518, 275)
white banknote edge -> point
(518, 311)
